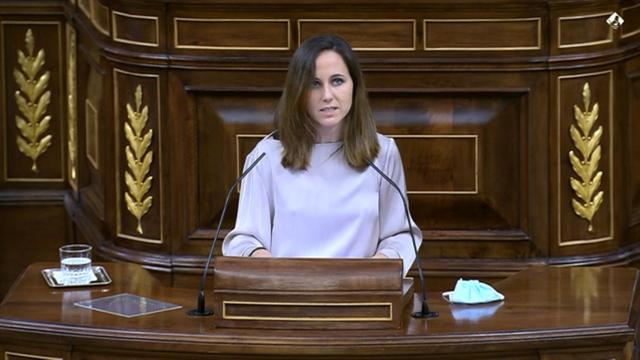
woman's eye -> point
(315, 84)
(337, 81)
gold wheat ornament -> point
(586, 166)
(138, 160)
(32, 100)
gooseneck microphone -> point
(200, 309)
(424, 308)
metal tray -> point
(102, 278)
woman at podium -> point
(314, 192)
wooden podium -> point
(586, 313)
(308, 293)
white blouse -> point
(328, 210)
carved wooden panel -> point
(39, 352)
(578, 97)
(34, 140)
(100, 17)
(584, 30)
(93, 112)
(231, 33)
(453, 171)
(490, 34)
(138, 156)
(85, 7)
(227, 131)
(365, 34)
(97, 14)
(136, 29)
(631, 16)
(458, 163)
(597, 353)
(93, 173)
(633, 104)
(92, 137)
(446, 164)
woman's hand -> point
(261, 253)
(379, 256)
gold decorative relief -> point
(72, 120)
(91, 133)
(32, 100)
(138, 160)
(586, 165)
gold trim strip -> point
(452, 136)
(176, 45)
(72, 109)
(94, 17)
(117, 165)
(280, 318)
(141, 239)
(412, 21)
(4, 91)
(133, 16)
(560, 134)
(88, 105)
(624, 35)
(87, 12)
(609, 38)
(29, 356)
(497, 48)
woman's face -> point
(330, 96)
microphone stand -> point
(424, 312)
(200, 309)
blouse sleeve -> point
(253, 221)
(395, 239)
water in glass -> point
(75, 264)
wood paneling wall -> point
(33, 219)
(480, 96)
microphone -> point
(424, 308)
(200, 309)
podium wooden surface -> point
(307, 293)
(549, 313)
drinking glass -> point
(75, 264)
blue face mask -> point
(475, 312)
(472, 292)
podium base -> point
(305, 293)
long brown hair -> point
(296, 129)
